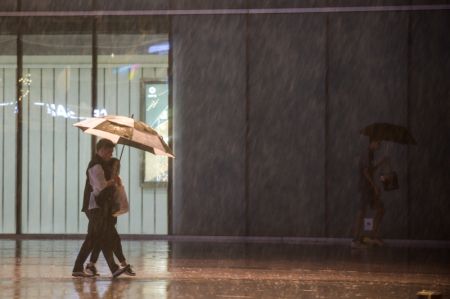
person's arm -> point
(118, 180)
(97, 179)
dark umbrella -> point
(388, 132)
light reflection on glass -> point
(58, 110)
(7, 104)
(160, 48)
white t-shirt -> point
(98, 182)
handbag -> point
(120, 205)
(390, 181)
(389, 177)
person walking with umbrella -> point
(369, 194)
(114, 129)
(110, 200)
(369, 191)
(96, 182)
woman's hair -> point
(114, 161)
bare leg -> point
(379, 213)
(358, 224)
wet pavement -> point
(42, 269)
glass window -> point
(130, 53)
(8, 114)
(57, 77)
(57, 62)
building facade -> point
(265, 103)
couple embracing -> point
(103, 200)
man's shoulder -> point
(94, 161)
(95, 169)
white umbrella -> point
(125, 130)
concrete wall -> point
(267, 113)
(209, 124)
(286, 124)
(430, 122)
(368, 79)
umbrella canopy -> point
(125, 130)
(388, 132)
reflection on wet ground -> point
(42, 269)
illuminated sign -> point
(157, 116)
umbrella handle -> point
(121, 152)
(123, 145)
